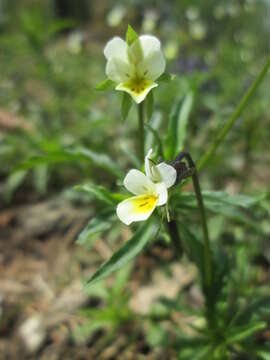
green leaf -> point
(131, 35)
(14, 180)
(240, 333)
(166, 77)
(221, 202)
(193, 246)
(178, 125)
(183, 121)
(157, 138)
(149, 105)
(100, 193)
(126, 105)
(73, 155)
(96, 226)
(106, 84)
(125, 254)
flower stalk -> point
(184, 172)
(141, 131)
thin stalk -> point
(175, 237)
(238, 111)
(207, 251)
(141, 131)
(196, 184)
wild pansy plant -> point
(134, 67)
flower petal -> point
(149, 44)
(116, 47)
(138, 183)
(147, 163)
(150, 168)
(118, 70)
(152, 66)
(162, 192)
(136, 208)
(167, 173)
(137, 91)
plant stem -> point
(207, 251)
(175, 237)
(141, 131)
(238, 111)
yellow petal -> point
(136, 208)
(137, 88)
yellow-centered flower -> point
(150, 190)
(136, 67)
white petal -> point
(167, 173)
(118, 70)
(149, 44)
(150, 168)
(138, 97)
(138, 183)
(116, 47)
(162, 192)
(147, 164)
(152, 66)
(136, 208)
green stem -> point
(238, 111)
(175, 237)
(207, 251)
(141, 131)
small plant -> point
(136, 67)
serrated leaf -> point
(106, 84)
(125, 254)
(131, 35)
(126, 105)
(240, 333)
(149, 105)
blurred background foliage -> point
(51, 58)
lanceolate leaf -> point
(96, 226)
(126, 253)
(101, 193)
(240, 333)
(73, 155)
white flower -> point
(150, 191)
(136, 67)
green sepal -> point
(131, 35)
(126, 105)
(106, 84)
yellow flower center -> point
(144, 203)
(137, 86)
